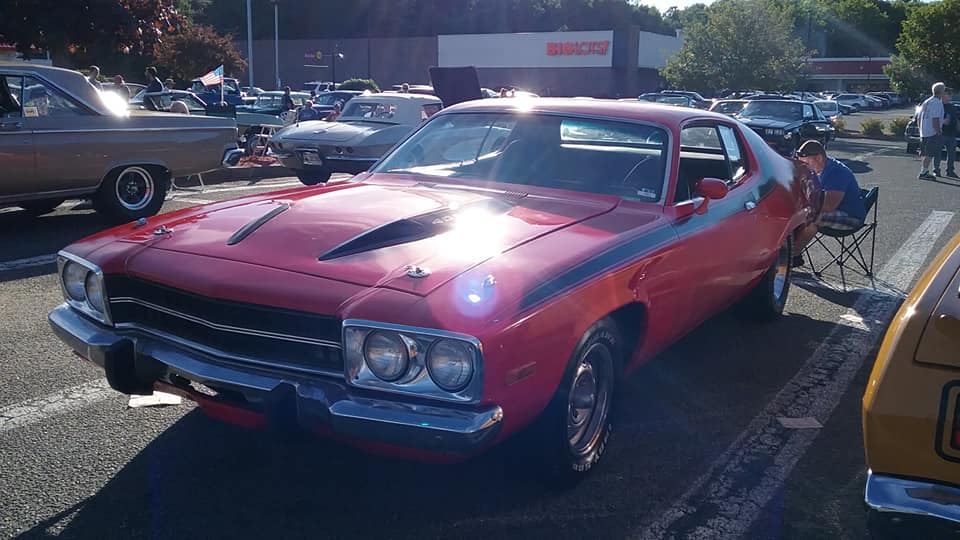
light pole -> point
(336, 54)
(276, 42)
(249, 44)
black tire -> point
(313, 178)
(554, 445)
(765, 302)
(132, 192)
(40, 207)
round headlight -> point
(386, 355)
(94, 291)
(74, 276)
(450, 364)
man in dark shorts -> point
(930, 122)
(842, 209)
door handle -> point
(10, 126)
(749, 205)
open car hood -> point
(374, 234)
(455, 84)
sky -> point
(664, 5)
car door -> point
(72, 148)
(723, 238)
(16, 141)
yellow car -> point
(911, 409)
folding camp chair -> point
(849, 244)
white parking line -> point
(19, 264)
(35, 410)
(725, 502)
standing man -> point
(153, 83)
(93, 78)
(948, 131)
(842, 205)
(287, 103)
(930, 121)
(120, 87)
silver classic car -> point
(368, 127)
(61, 138)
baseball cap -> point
(811, 148)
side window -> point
(808, 112)
(700, 137)
(734, 152)
(701, 156)
(41, 100)
(11, 92)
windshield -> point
(788, 112)
(595, 156)
(370, 110)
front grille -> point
(239, 331)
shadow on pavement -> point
(202, 479)
(858, 167)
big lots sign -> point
(526, 50)
(579, 48)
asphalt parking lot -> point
(705, 446)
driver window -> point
(11, 90)
(701, 156)
(41, 100)
(807, 112)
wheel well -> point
(631, 320)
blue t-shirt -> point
(837, 177)
(306, 114)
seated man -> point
(842, 205)
(308, 113)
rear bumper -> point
(892, 495)
(136, 363)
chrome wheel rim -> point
(134, 188)
(782, 270)
(588, 403)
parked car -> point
(366, 129)
(876, 102)
(786, 124)
(729, 107)
(64, 139)
(911, 411)
(211, 94)
(423, 89)
(326, 101)
(162, 101)
(251, 91)
(696, 99)
(851, 100)
(497, 273)
(318, 86)
(271, 103)
(668, 99)
(830, 109)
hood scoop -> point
(252, 226)
(414, 228)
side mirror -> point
(709, 189)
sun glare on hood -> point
(477, 232)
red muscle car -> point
(498, 271)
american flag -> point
(214, 77)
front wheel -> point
(132, 192)
(313, 178)
(571, 435)
(768, 297)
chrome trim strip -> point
(83, 307)
(130, 130)
(337, 157)
(888, 494)
(188, 344)
(227, 328)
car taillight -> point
(948, 430)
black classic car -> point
(785, 124)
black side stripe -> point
(248, 229)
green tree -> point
(743, 44)
(80, 32)
(929, 46)
(196, 50)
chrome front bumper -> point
(134, 361)
(888, 494)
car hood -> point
(767, 123)
(329, 131)
(373, 234)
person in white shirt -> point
(93, 78)
(930, 121)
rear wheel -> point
(768, 297)
(40, 207)
(132, 192)
(313, 178)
